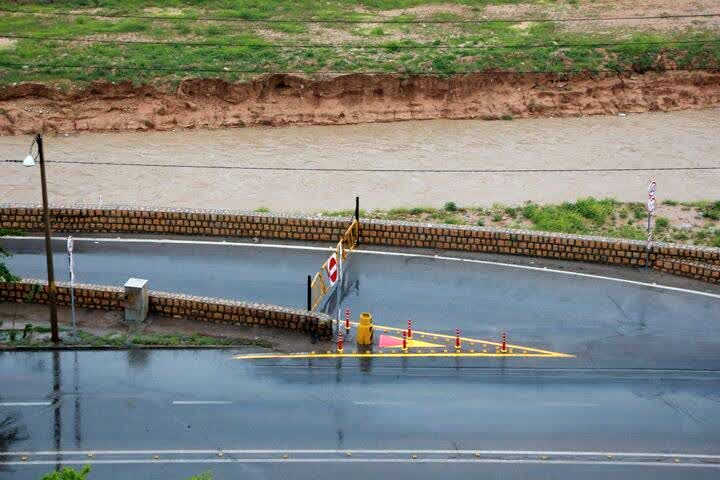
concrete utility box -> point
(136, 292)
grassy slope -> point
(695, 223)
(466, 52)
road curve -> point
(604, 323)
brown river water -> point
(359, 157)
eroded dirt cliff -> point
(286, 99)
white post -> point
(652, 188)
(72, 284)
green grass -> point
(126, 340)
(587, 216)
(468, 50)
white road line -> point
(377, 252)
(201, 402)
(371, 403)
(25, 404)
(548, 453)
(368, 460)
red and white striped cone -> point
(404, 345)
(503, 347)
(458, 345)
(409, 329)
(340, 342)
(347, 319)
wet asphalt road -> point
(152, 402)
(645, 379)
(605, 324)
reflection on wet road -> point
(127, 407)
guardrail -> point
(320, 284)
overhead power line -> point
(383, 170)
(387, 46)
(365, 21)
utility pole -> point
(48, 245)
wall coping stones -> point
(271, 217)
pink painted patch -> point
(386, 341)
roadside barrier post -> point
(309, 293)
(404, 344)
(340, 342)
(357, 217)
(458, 346)
(409, 329)
(364, 334)
(503, 347)
(347, 319)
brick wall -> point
(120, 219)
(86, 296)
(231, 312)
(169, 304)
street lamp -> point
(29, 161)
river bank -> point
(279, 99)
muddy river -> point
(304, 169)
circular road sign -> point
(652, 188)
(651, 204)
(332, 268)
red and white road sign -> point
(333, 269)
(652, 188)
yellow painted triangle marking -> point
(412, 343)
(466, 351)
(486, 343)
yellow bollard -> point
(364, 335)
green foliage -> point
(496, 217)
(711, 210)
(450, 207)
(68, 473)
(627, 231)
(716, 240)
(639, 210)
(661, 223)
(202, 476)
(342, 213)
(5, 274)
(262, 210)
(507, 116)
(512, 212)
(670, 203)
(554, 219)
(480, 223)
(392, 57)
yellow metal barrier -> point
(319, 286)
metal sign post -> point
(72, 284)
(652, 188)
